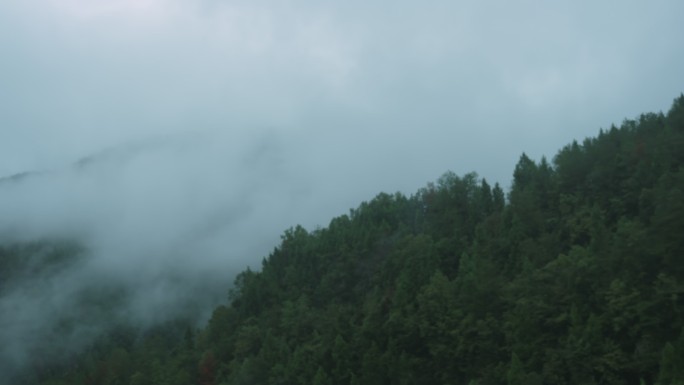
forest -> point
(575, 275)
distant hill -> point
(119, 153)
(574, 276)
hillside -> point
(575, 276)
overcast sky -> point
(213, 125)
(407, 89)
(305, 108)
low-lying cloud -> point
(178, 139)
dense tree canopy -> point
(576, 276)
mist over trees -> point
(573, 276)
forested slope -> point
(575, 276)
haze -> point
(206, 128)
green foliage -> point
(672, 363)
(577, 279)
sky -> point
(391, 96)
(211, 126)
(338, 100)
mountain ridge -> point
(572, 276)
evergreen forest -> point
(575, 275)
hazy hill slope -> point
(574, 277)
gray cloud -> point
(212, 126)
